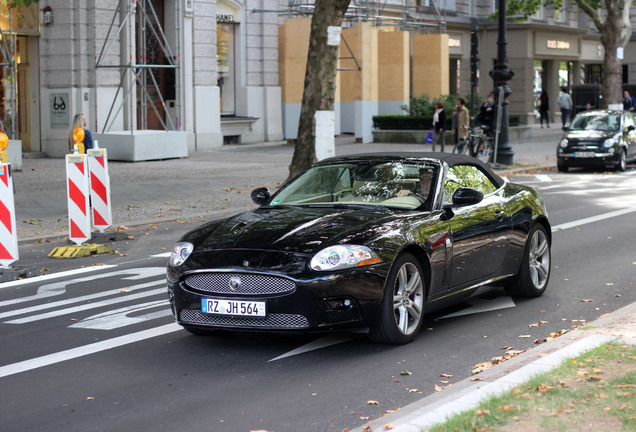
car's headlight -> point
(342, 257)
(609, 143)
(563, 143)
(180, 253)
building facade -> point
(204, 73)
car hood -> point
(590, 135)
(292, 229)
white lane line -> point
(73, 353)
(54, 276)
(593, 219)
(543, 177)
(162, 255)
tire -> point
(402, 308)
(483, 150)
(534, 273)
(562, 167)
(621, 165)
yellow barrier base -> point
(75, 251)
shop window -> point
(225, 34)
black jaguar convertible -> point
(371, 241)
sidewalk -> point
(617, 326)
(204, 184)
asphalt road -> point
(95, 349)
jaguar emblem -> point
(235, 283)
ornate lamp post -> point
(500, 76)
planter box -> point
(143, 145)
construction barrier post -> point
(79, 220)
(8, 233)
(100, 188)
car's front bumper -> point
(312, 302)
(590, 160)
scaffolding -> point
(10, 99)
(380, 13)
(139, 76)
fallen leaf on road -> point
(388, 426)
(587, 300)
(372, 402)
(445, 375)
(406, 373)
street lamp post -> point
(500, 76)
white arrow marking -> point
(118, 291)
(483, 305)
(332, 339)
(119, 318)
(59, 288)
(123, 298)
(86, 350)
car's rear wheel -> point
(534, 274)
(621, 165)
(402, 308)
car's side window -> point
(629, 121)
(468, 176)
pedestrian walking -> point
(439, 125)
(80, 121)
(544, 108)
(629, 102)
(460, 131)
(565, 103)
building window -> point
(560, 12)
(454, 76)
(539, 12)
(225, 34)
(593, 74)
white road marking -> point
(161, 255)
(323, 342)
(543, 178)
(119, 318)
(59, 288)
(118, 291)
(592, 219)
(479, 305)
(123, 298)
(73, 353)
(53, 276)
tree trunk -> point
(320, 81)
(612, 65)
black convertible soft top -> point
(450, 159)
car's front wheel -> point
(534, 273)
(402, 307)
(562, 167)
(621, 165)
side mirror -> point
(467, 196)
(260, 195)
(630, 128)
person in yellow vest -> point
(80, 121)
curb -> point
(467, 394)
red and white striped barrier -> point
(79, 219)
(100, 188)
(8, 234)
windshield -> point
(597, 122)
(400, 184)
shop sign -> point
(58, 109)
(454, 43)
(558, 44)
(225, 18)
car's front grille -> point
(239, 283)
(272, 321)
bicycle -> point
(463, 146)
(481, 145)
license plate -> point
(233, 307)
(584, 154)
